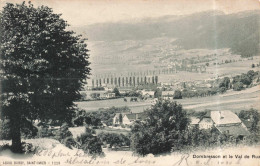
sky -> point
(86, 12)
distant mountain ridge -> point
(211, 29)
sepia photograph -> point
(129, 83)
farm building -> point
(229, 123)
(167, 94)
(226, 122)
(109, 95)
(194, 121)
(147, 94)
(128, 118)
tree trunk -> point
(16, 133)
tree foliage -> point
(238, 86)
(225, 83)
(177, 94)
(116, 91)
(114, 139)
(43, 64)
(252, 116)
(162, 131)
(90, 143)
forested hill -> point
(212, 29)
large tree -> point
(43, 66)
(163, 130)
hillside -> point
(212, 29)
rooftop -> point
(194, 120)
(224, 117)
(135, 116)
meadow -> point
(231, 100)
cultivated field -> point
(231, 100)
(96, 105)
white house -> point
(116, 118)
(167, 94)
(109, 95)
(148, 94)
(194, 121)
(226, 122)
(206, 123)
(229, 123)
(127, 118)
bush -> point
(44, 132)
(177, 94)
(116, 91)
(114, 139)
(28, 148)
(79, 121)
(63, 133)
(222, 90)
(238, 86)
(89, 143)
(28, 130)
(5, 147)
(98, 88)
(70, 142)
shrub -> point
(114, 139)
(28, 130)
(79, 121)
(222, 90)
(177, 94)
(116, 91)
(63, 133)
(27, 148)
(44, 132)
(69, 142)
(5, 147)
(238, 86)
(90, 143)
